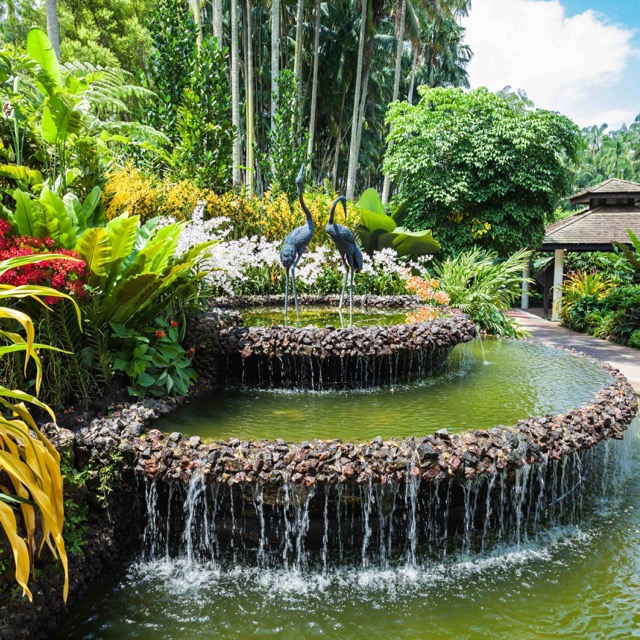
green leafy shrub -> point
(634, 339)
(483, 286)
(153, 359)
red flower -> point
(174, 324)
(160, 333)
(191, 353)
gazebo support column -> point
(526, 274)
(558, 267)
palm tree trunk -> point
(396, 81)
(353, 146)
(250, 135)
(52, 26)
(275, 57)
(314, 89)
(336, 157)
(412, 79)
(235, 91)
(218, 21)
(298, 52)
(197, 18)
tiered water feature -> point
(413, 512)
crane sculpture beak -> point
(300, 176)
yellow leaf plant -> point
(30, 478)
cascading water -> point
(325, 527)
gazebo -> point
(611, 209)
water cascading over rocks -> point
(326, 357)
(329, 503)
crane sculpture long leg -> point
(293, 280)
(352, 272)
(344, 284)
(286, 293)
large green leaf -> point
(370, 200)
(60, 225)
(128, 296)
(21, 174)
(415, 243)
(121, 234)
(74, 210)
(41, 50)
(60, 119)
(93, 212)
(95, 248)
(376, 221)
(27, 217)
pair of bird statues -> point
(296, 243)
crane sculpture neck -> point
(307, 213)
(335, 204)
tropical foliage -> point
(601, 304)
(27, 459)
(377, 230)
(480, 169)
(482, 285)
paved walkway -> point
(626, 359)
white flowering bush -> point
(251, 266)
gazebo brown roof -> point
(612, 188)
(611, 212)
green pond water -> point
(573, 582)
(483, 384)
(319, 316)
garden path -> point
(626, 359)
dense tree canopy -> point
(479, 168)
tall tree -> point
(314, 90)
(249, 94)
(353, 146)
(235, 91)
(299, 45)
(218, 22)
(52, 26)
(275, 57)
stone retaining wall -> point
(305, 299)
(457, 456)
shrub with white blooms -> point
(252, 265)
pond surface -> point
(483, 385)
(573, 581)
(318, 316)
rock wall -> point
(374, 302)
(456, 456)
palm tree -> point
(275, 56)
(314, 90)
(353, 146)
(235, 91)
(218, 21)
(249, 94)
(52, 26)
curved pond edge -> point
(123, 443)
(301, 356)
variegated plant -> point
(30, 478)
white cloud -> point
(563, 63)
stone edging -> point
(323, 342)
(376, 302)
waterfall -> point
(300, 528)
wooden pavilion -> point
(611, 208)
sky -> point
(578, 57)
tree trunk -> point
(353, 146)
(298, 52)
(250, 131)
(197, 18)
(314, 89)
(235, 91)
(396, 82)
(218, 22)
(52, 26)
(275, 57)
(412, 79)
(336, 157)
